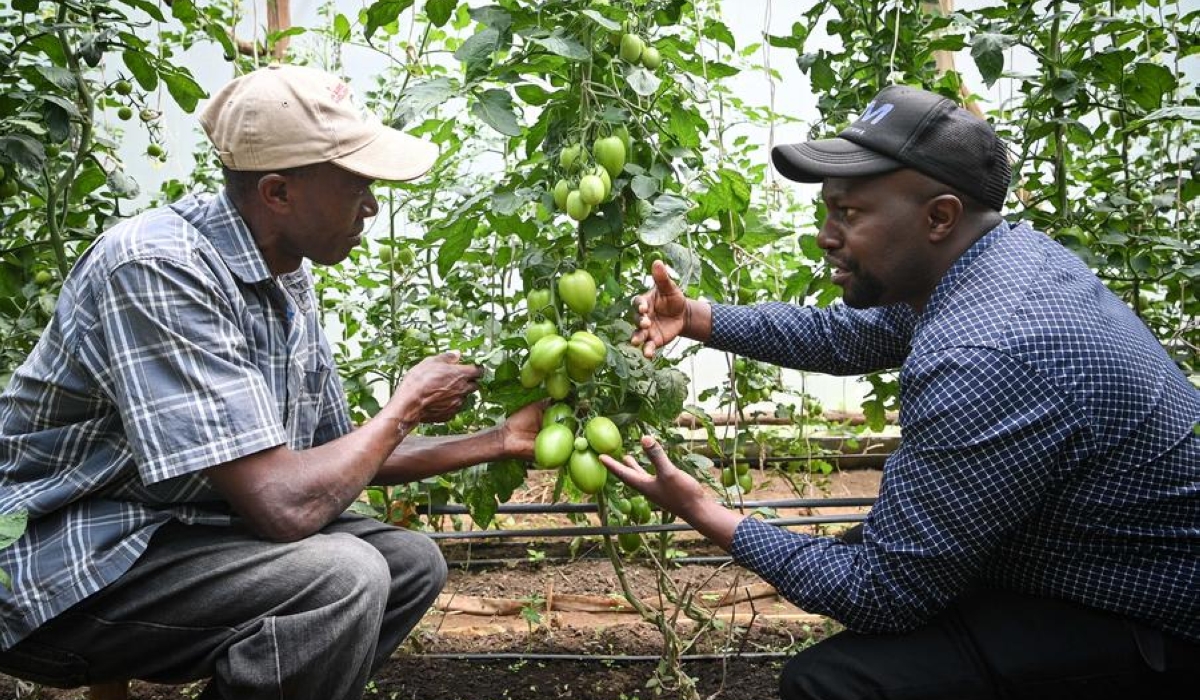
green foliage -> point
(1101, 126)
(12, 526)
(1101, 122)
(68, 72)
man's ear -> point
(945, 212)
(273, 192)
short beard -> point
(863, 291)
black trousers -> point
(999, 645)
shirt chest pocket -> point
(307, 404)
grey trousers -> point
(303, 620)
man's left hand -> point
(520, 430)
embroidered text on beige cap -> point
(283, 116)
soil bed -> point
(544, 618)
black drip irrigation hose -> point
(600, 658)
(586, 531)
(554, 508)
(752, 461)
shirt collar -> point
(954, 275)
(219, 221)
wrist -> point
(697, 320)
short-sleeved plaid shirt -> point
(1048, 447)
(172, 349)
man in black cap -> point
(1037, 533)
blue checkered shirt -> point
(172, 349)
(1048, 447)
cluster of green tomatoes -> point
(557, 363)
(578, 197)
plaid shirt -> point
(1048, 447)
(172, 349)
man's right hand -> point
(435, 389)
(676, 491)
(662, 312)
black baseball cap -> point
(904, 127)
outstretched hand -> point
(677, 492)
(668, 486)
(521, 428)
(662, 312)
(438, 386)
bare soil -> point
(538, 618)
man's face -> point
(330, 208)
(875, 236)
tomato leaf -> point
(186, 91)
(439, 12)
(137, 64)
(495, 108)
(667, 220)
(562, 44)
(685, 262)
(642, 81)
(422, 97)
(602, 20)
(384, 12)
(12, 526)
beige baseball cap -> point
(284, 116)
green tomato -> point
(578, 291)
(581, 444)
(43, 278)
(553, 446)
(568, 157)
(622, 505)
(530, 377)
(746, 483)
(622, 132)
(631, 48)
(639, 510)
(9, 188)
(123, 87)
(591, 190)
(743, 468)
(601, 173)
(558, 385)
(154, 150)
(578, 372)
(586, 471)
(577, 209)
(539, 301)
(561, 189)
(610, 153)
(728, 478)
(538, 330)
(124, 114)
(630, 541)
(559, 413)
(603, 436)
(546, 355)
(586, 350)
(650, 58)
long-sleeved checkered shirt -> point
(1048, 447)
(172, 349)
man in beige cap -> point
(182, 444)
